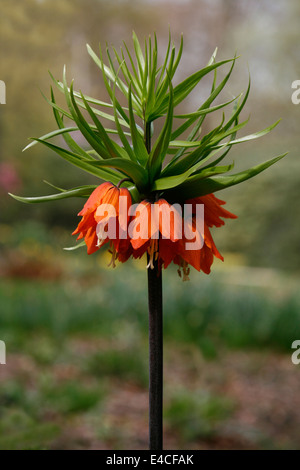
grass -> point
(126, 364)
(203, 312)
(197, 415)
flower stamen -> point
(114, 256)
(186, 271)
(153, 252)
(184, 266)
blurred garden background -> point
(75, 330)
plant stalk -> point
(155, 343)
(155, 357)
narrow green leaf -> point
(178, 58)
(132, 66)
(61, 87)
(89, 99)
(184, 88)
(75, 247)
(73, 146)
(129, 77)
(205, 105)
(145, 70)
(228, 147)
(82, 192)
(213, 57)
(84, 127)
(139, 55)
(204, 111)
(50, 135)
(123, 138)
(185, 143)
(137, 140)
(239, 108)
(176, 180)
(222, 135)
(188, 161)
(80, 103)
(107, 73)
(256, 135)
(112, 147)
(58, 108)
(161, 91)
(164, 66)
(135, 171)
(80, 162)
(161, 145)
(216, 170)
(54, 187)
(120, 84)
(196, 186)
(116, 79)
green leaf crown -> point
(175, 167)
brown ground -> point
(262, 388)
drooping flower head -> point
(156, 228)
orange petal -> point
(140, 226)
(95, 198)
(91, 240)
(167, 251)
(138, 253)
(169, 220)
(86, 222)
(212, 209)
(206, 259)
(210, 243)
(111, 197)
(124, 204)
